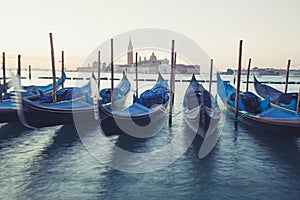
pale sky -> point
(270, 28)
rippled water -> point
(52, 163)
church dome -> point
(153, 57)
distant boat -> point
(200, 108)
(294, 74)
(8, 109)
(145, 117)
(257, 112)
(269, 73)
(286, 100)
(73, 101)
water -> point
(53, 163)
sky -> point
(270, 29)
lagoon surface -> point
(53, 162)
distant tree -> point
(229, 71)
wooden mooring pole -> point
(237, 95)
(4, 74)
(62, 67)
(172, 82)
(287, 76)
(210, 74)
(298, 103)
(234, 75)
(53, 70)
(136, 76)
(1, 90)
(29, 72)
(99, 68)
(19, 67)
(112, 72)
(248, 74)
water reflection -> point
(10, 130)
(20, 158)
(282, 147)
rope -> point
(240, 117)
(174, 115)
(232, 115)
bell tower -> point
(130, 53)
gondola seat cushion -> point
(291, 106)
(147, 98)
(265, 104)
(251, 102)
(231, 101)
(161, 96)
(106, 94)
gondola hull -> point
(142, 125)
(200, 119)
(273, 119)
(61, 113)
(271, 125)
(199, 113)
(35, 115)
(144, 118)
(8, 109)
(8, 114)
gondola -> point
(71, 102)
(144, 118)
(8, 110)
(34, 90)
(200, 108)
(257, 112)
(286, 100)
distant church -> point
(152, 62)
(130, 53)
